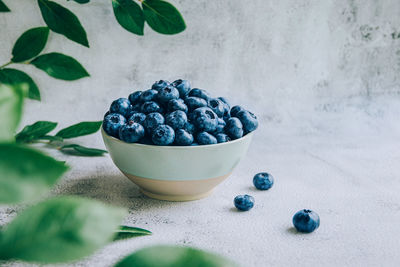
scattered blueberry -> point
(149, 107)
(217, 106)
(196, 92)
(176, 119)
(183, 138)
(177, 104)
(205, 138)
(159, 85)
(112, 123)
(306, 221)
(152, 121)
(183, 87)
(163, 135)
(205, 119)
(134, 97)
(131, 132)
(222, 138)
(248, 119)
(234, 128)
(148, 95)
(195, 102)
(167, 93)
(235, 110)
(244, 202)
(263, 181)
(138, 118)
(121, 106)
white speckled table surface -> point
(322, 76)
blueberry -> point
(195, 102)
(189, 127)
(150, 106)
(248, 119)
(148, 95)
(223, 99)
(235, 110)
(220, 127)
(183, 87)
(136, 107)
(222, 138)
(244, 202)
(152, 121)
(159, 85)
(183, 138)
(138, 118)
(234, 128)
(306, 221)
(205, 119)
(177, 104)
(205, 138)
(196, 92)
(105, 115)
(163, 135)
(131, 132)
(134, 97)
(263, 181)
(190, 116)
(146, 140)
(112, 123)
(121, 106)
(217, 106)
(167, 93)
(176, 119)
(227, 108)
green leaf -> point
(11, 100)
(82, 1)
(129, 15)
(3, 7)
(87, 151)
(51, 138)
(35, 131)
(14, 77)
(59, 230)
(30, 44)
(80, 129)
(61, 20)
(125, 232)
(163, 17)
(60, 66)
(26, 174)
(173, 256)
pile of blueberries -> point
(305, 221)
(175, 114)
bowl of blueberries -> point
(175, 142)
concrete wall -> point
(279, 57)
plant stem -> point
(5, 65)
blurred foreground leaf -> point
(173, 256)
(26, 174)
(14, 77)
(59, 230)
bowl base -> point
(175, 197)
(176, 190)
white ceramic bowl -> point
(176, 173)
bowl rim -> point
(249, 135)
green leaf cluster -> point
(161, 16)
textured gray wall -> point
(281, 56)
